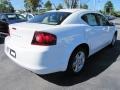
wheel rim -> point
(114, 40)
(78, 63)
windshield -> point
(51, 18)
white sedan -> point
(59, 40)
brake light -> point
(43, 38)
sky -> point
(19, 4)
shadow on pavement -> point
(96, 64)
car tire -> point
(114, 39)
(76, 61)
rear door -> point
(94, 33)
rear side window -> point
(90, 19)
(0, 16)
(3, 17)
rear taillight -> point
(43, 38)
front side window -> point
(51, 18)
(102, 20)
(20, 17)
(29, 16)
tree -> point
(48, 5)
(71, 3)
(6, 6)
(26, 5)
(31, 4)
(10, 7)
(84, 6)
(60, 6)
(2, 8)
(109, 8)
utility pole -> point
(79, 4)
(94, 5)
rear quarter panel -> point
(68, 38)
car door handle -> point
(104, 29)
(88, 30)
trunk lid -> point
(22, 33)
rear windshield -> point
(15, 16)
(11, 16)
(51, 18)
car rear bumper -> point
(38, 59)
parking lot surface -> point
(102, 72)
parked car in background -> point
(4, 31)
(11, 18)
(28, 16)
(110, 17)
(59, 40)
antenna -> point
(94, 5)
(54, 6)
(79, 3)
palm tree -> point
(71, 3)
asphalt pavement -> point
(102, 72)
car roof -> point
(69, 10)
(72, 10)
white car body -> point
(72, 32)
